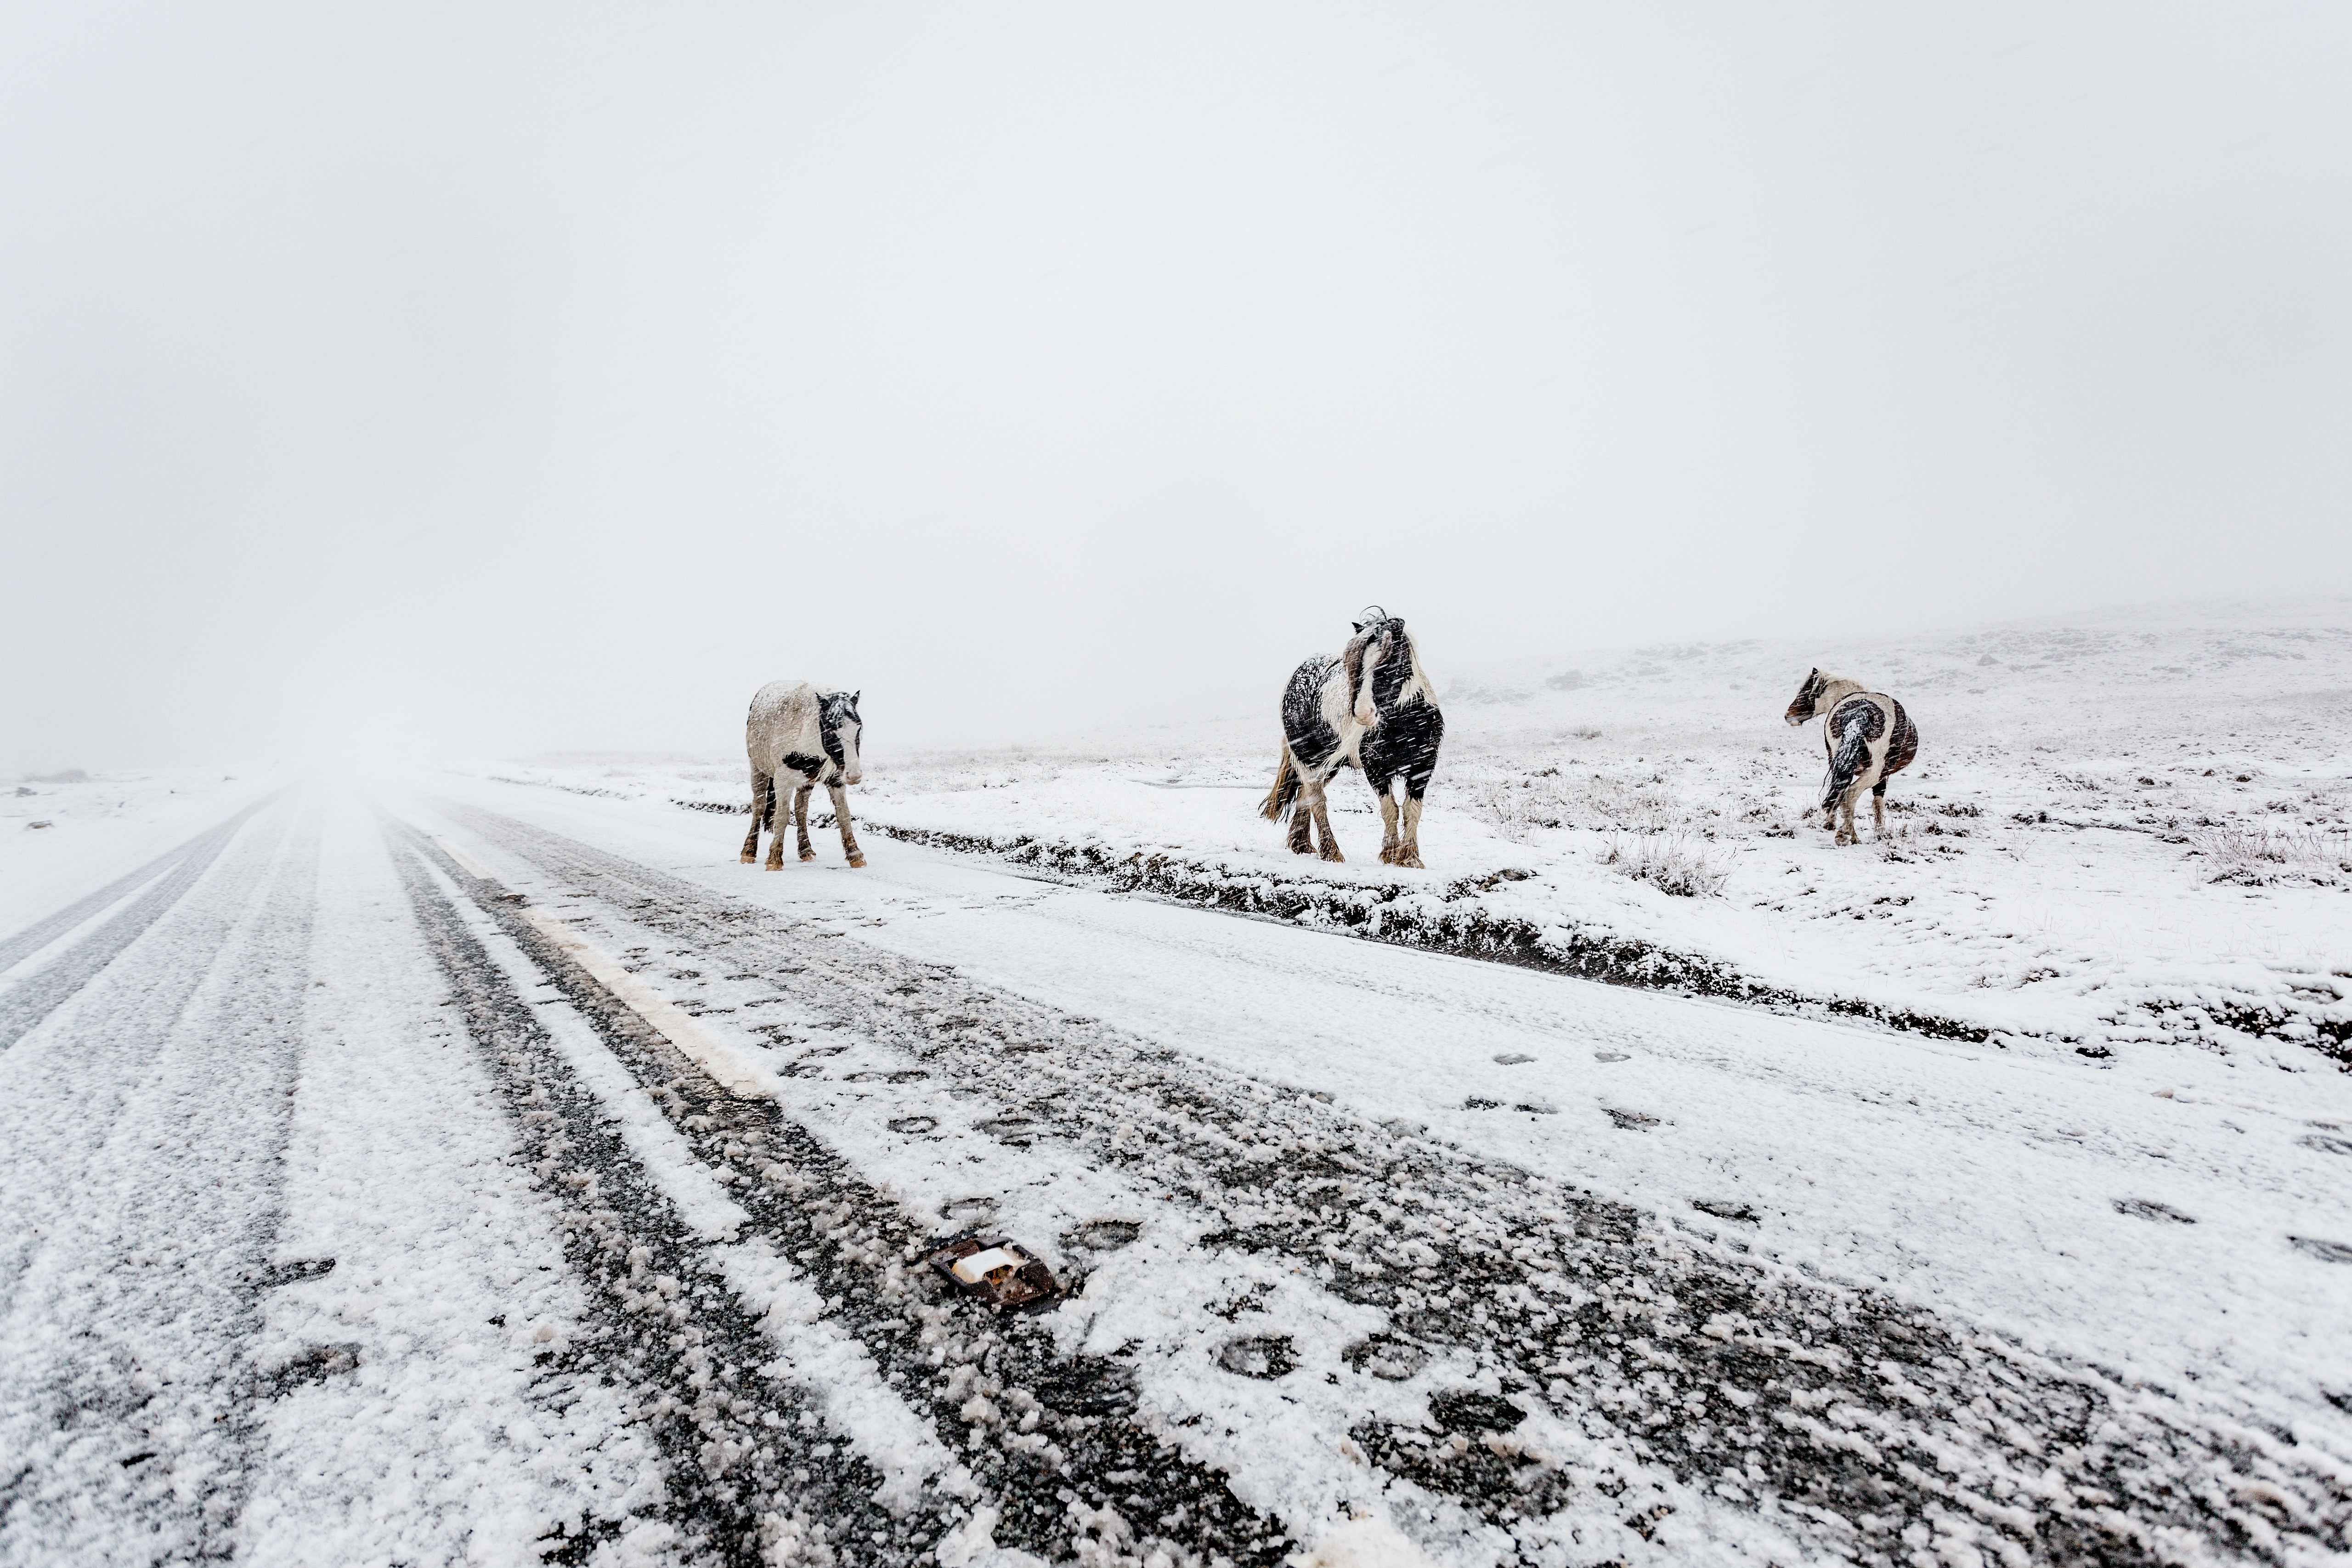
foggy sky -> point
(493, 378)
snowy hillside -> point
(2123, 833)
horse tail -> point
(1851, 756)
(768, 813)
(1284, 793)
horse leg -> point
(1409, 852)
(799, 819)
(1321, 805)
(1302, 820)
(781, 816)
(1844, 815)
(1878, 808)
(1302, 829)
(764, 804)
(1388, 827)
(841, 817)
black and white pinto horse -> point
(798, 738)
(1369, 706)
(1870, 740)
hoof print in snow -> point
(1018, 1132)
(2326, 1145)
(1611, 1056)
(1260, 1358)
(1104, 1234)
(313, 1363)
(995, 1269)
(1631, 1120)
(913, 1125)
(2326, 1251)
(1465, 1410)
(1513, 1059)
(2148, 1208)
(1722, 1209)
(1390, 1360)
(291, 1273)
(1475, 1103)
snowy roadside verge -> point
(1457, 917)
(1564, 919)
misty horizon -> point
(509, 380)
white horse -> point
(1870, 740)
(802, 737)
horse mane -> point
(1352, 658)
(1417, 686)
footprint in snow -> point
(1260, 1358)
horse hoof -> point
(748, 858)
(1410, 863)
(1333, 855)
(773, 865)
(807, 855)
(857, 862)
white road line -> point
(728, 1067)
(834, 1367)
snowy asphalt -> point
(352, 1219)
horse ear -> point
(854, 696)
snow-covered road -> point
(352, 1218)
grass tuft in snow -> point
(1675, 863)
(2256, 857)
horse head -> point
(1806, 704)
(1821, 692)
(1379, 638)
(838, 728)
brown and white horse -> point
(798, 738)
(1869, 739)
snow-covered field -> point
(2121, 833)
(482, 1165)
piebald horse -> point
(1372, 707)
(1870, 740)
(798, 738)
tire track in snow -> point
(1054, 1464)
(33, 997)
(753, 1477)
(146, 1132)
(1873, 1430)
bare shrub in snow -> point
(1675, 863)
(2257, 857)
(1518, 807)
